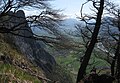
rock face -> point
(29, 47)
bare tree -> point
(114, 11)
(108, 37)
(91, 45)
(46, 18)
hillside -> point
(23, 60)
(15, 67)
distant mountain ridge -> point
(67, 27)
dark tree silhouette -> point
(114, 11)
(46, 18)
(91, 45)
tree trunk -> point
(113, 65)
(90, 48)
(115, 58)
(118, 61)
(118, 51)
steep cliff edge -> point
(29, 47)
(32, 49)
(16, 68)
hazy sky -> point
(72, 7)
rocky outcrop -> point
(32, 48)
(28, 46)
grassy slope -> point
(9, 73)
(30, 74)
(14, 72)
